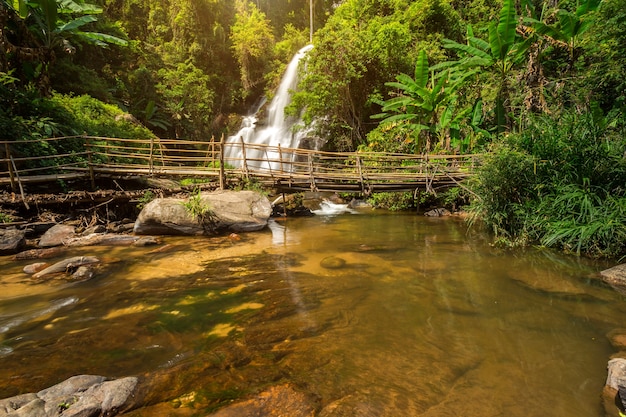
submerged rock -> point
(332, 262)
(233, 211)
(282, 400)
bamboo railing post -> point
(151, 162)
(311, 175)
(222, 172)
(243, 154)
(9, 165)
(19, 182)
(90, 163)
(280, 156)
(358, 166)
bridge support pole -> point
(9, 165)
(90, 162)
(222, 169)
(245, 162)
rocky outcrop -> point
(78, 396)
(231, 211)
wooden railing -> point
(285, 168)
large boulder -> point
(233, 211)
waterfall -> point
(279, 129)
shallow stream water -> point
(389, 314)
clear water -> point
(389, 314)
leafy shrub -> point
(505, 184)
(392, 201)
(96, 118)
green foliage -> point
(362, 43)
(189, 99)
(392, 201)
(200, 211)
(560, 182)
(252, 184)
(498, 54)
(426, 103)
(147, 197)
(583, 220)
(606, 52)
(252, 43)
(86, 115)
(185, 182)
(55, 26)
(5, 218)
(505, 184)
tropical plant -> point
(426, 103)
(52, 26)
(567, 28)
(199, 210)
(498, 54)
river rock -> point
(102, 239)
(11, 241)
(615, 277)
(616, 377)
(78, 396)
(233, 211)
(57, 235)
(83, 273)
(333, 262)
(34, 268)
(67, 265)
(438, 212)
(39, 253)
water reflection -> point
(382, 315)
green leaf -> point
(496, 43)
(477, 113)
(21, 7)
(102, 39)
(569, 23)
(587, 6)
(467, 49)
(49, 10)
(421, 69)
(76, 23)
(70, 6)
(507, 25)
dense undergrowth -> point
(560, 183)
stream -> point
(389, 314)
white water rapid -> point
(278, 131)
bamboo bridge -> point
(285, 169)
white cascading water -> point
(278, 131)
